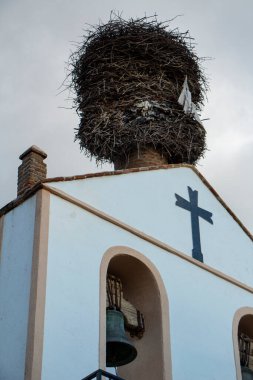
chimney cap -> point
(34, 149)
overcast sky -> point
(37, 37)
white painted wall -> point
(15, 281)
(202, 305)
(146, 201)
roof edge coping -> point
(16, 202)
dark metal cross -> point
(196, 212)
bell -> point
(247, 374)
(119, 349)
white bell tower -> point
(144, 268)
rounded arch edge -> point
(107, 257)
(237, 317)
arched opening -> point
(143, 287)
(243, 343)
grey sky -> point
(36, 40)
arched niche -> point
(242, 323)
(143, 287)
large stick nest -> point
(127, 76)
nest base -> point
(144, 157)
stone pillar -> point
(32, 170)
(147, 156)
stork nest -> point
(127, 77)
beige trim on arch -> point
(33, 365)
(150, 239)
(122, 250)
(1, 235)
(237, 317)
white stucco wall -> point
(15, 280)
(202, 305)
(146, 201)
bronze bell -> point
(247, 374)
(119, 349)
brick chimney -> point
(146, 156)
(32, 170)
